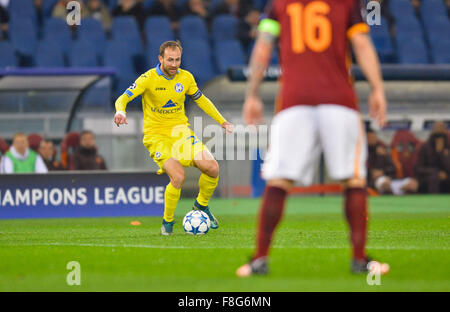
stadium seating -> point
(91, 29)
(23, 36)
(34, 140)
(81, 54)
(401, 9)
(120, 57)
(197, 58)
(158, 26)
(192, 28)
(228, 53)
(47, 7)
(49, 54)
(382, 41)
(22, 9)
(126, 29)
(224, 27)
(56, 29)
(412, 51)
(8, 58)
(404, 150)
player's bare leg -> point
(355, 206)
(270, 213)
(208, 181)
(176, 174)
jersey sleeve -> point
(356, 23)
(203, 102)
(136, 89)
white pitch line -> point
(220, 247)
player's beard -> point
(169, 71)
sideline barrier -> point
(79, 194)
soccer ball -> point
(196, 222)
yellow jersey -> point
(163, 100)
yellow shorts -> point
(182, 144)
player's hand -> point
(377, 106)
(253, 110)
(120, 119)
(228, 127)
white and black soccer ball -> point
(196, 222)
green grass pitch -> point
(310, 252)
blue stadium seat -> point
(24, 38)
(197, 59)
(228, 53)
(382, 41)
(56, 29)
(213, 5)
(158, 26)
(148, 4)
(91, 29)
(120, 57)
(437, 29)
(22, 9)
(224, 27)
(440, 52)
(401, 9)
(192, 28)
(8, 58)
(47, 7)
(49, 54)
(409, 25)
(126, 29)
(260, 4)
(112, 4)
(412, 51)
(81, 54)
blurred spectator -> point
(196, 7)
(238, 8)
(248, 28)
(99, 11)
(39, 12)
(133, 8)
(381, 170)
(21, 159)
(48, 153)
(168, 8)
(433, 166)
(85, 156)
(4, 22)
(60, 9)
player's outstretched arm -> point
(136, 89)
(253, 110)
(367, 60)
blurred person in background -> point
(60, 9)
(196, 7)
(381, 169)
(4, 23)
(22, 159)
(48, 153)
(248, 28)
(132, 8)
(238, 8)
(85, 156)
(98, 10)
(433, 165)
(168, 8)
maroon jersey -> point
(314, 50)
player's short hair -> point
(170, 44)
(19, 134)
(84, 132)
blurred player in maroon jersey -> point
(317, 111)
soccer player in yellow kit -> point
(167, 136)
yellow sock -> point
(171, 197)
(207, 187)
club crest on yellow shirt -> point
(178, 87)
